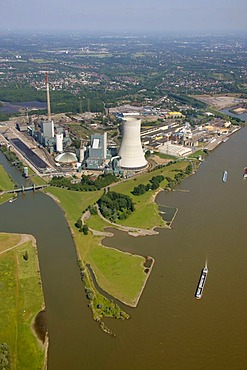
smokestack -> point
(48, 97)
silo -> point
(81, 154)
(59, 143)
(131, 153)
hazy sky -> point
(125, 15)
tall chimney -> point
(48, 97)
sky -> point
(125, 15)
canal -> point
(169, 329)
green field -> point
(37, 180)
(40, 60)
(74, 202)
(5, 181)
(21, 299)
(95, 222)
(120, 274)
(5, 184)
(197, 154)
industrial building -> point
(51, 136)
(97, 152)
(66, 158)
(47, 129)
(174, 150)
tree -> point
(84, 229)
(78, 223)
(25, 256)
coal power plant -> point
(131, 152)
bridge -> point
(25, 188)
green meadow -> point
(5, 184)
(21, 299)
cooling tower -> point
(131, 153)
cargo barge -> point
(202, 281)
(225, 175)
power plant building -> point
(131, 152)
(97, 152)
(98, 148)
(47, 128)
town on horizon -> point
(102, 123)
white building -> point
(175, 150)
(59, 143)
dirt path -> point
(24, 238)
(133, 231)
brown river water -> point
(169, 329)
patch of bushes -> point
(114, 206)
(86, 183)
(5, 363)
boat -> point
(245, 173)
(12, 199)
(225, 140)
(225, 175)
(202, 281)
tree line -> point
(153, 184)
(85, 184)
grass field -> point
(74, 202)
(37, 180)
(5, 197)
(21, 299)
(8, 241)
(5, 184)
(5, 181)
(197, 154)
(120, 274)
(95, 222)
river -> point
(169, 329)
(242, 116)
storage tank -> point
(82, 154)
(66, 158)
(59, 143)
(131, 153)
